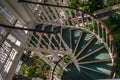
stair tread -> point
(94, 75)
(80, 43)
(57, 29)
(39, 26)
(66, 35)
(48, 28)
(75, 36)
(102, 54)
(99, 67)
(94, 59)
(68, 75)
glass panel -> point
(4, 12)
(1, 29)
(11, 38)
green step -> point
(46, 39)
(56, 29)
(94, 75)
(74, 74)
(48, 28)
(97, 44)
(66, 33)
(34, 38)
(75, 34)
(84, 40)
(102, 68)
(99, 55)
(85, 51)
(45, 42)
(80, 43)
(39, 26)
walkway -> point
(110, 8)
(104, 13)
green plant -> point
(91, 5)
(24, 70)
(112, 2)
(31, 71)
(38, 69)
(114, 18)
(74, 3)
(66, 59)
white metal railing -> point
(67, 16)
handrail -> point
(27, 29)
(56, 65)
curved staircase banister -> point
(67, 21)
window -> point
(10, 60)
(5, 13)
(11, 38)
(2, 30)
(4, 51)
(7, 65)
(13, 54)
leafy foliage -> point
(92, 5)
(112, 2)
(38, 69)
(115, 18)
(89, 6)
(95, 5)
(66, 59)
(23, 70)
(74, 3)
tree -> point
(92, 5)
(24, 70)
(95, 5)
(31, 72)
(74, 3)
(85, 5)
(112, 2)
(115, 18)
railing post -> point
(82, 16)
(107, 41)
(87, 22)
(93, 25)
(102, 33)
(98, 25)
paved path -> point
(110, 8)
(106, 12)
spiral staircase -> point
(74, 33)
(90, 58)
